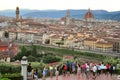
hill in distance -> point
(99, 14)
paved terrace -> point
(75, 77)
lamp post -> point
(24, 63)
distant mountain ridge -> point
(99, 14)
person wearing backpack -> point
(64, 69)
(68, 68)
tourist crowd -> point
(88, 69)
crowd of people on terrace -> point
(88, 69)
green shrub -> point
(51, 59)
(9, 68)
(14, 76)
(110, 60)
(4, 79)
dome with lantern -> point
(89, 16)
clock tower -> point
(17, 13)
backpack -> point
(65, 67)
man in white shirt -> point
(94, 69)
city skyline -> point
(109, 5)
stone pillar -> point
(24, 63)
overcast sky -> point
(109, 5)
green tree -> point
(24, 52)
(34, 50)
(31, 58)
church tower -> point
(17, 13)
(68, 17)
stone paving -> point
(75, 77)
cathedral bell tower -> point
(68, 17)
(17, 13)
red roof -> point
(63, 18)
(13, 50)
(91, 39)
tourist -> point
(83, 68)
(33, 70)
(29, 70)
(114, 69)
(64, 69)
(94, 69)
(98, 69)
(111, 70)
(87, 71)
(73, 67)
(78, 70)
(68, 68)
(107, 69)
(57, 72)
(36, 74)
(103, 68)
(44, 73)
(51, 70)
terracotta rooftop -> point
(91, 39)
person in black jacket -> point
(29, 69)
(111, 70)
